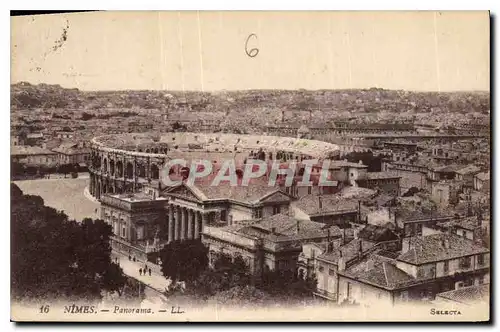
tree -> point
(53, 256)
(183, 260)
(412, 191)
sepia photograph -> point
(250, 166)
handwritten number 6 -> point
(254, 51)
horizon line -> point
(256, 89)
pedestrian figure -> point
(145, 268)
(134, 258)
(140, 271)
(150, 272)
(129, 257)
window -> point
(465, 262)
(223, 215)
(276, 209)
(331, 272)
(446, 267)
(309, 190)
(480, 259)
(123, 231)
(321, 268)
(258, 213)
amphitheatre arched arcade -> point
(126, 162)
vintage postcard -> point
(250, 166)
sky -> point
(207, 51)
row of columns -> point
(185, 223)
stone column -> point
(170, 223)
(183, 223)
(204, 220)
(190, 220)
(178, 223)
(197, 224)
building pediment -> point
(275, 197)
(183, 192)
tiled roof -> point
(468, 295)
(430, 248)
(335, 164)
(330, 204)
(349, 251)
(469, 223)
(471, 169)
(379, 271)
(22, 150)
(357, 192)
(381, 175)
(415, 215)
(256, 189)
(483, 176)
(447, 169)
(281, 227)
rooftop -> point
(381, 175)
(430, 248)
(468, 295)
(136, 197)
(471, 169)
(483, 176)
(24, 150)
(349, 251)
(281, 227)
(330, 204)
(379, 271)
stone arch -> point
(105, 165)
(112, 167)
(119, 169)
(129, 170)
(141, 170)
(155, 172)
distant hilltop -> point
(25, 95)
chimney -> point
(273, 230)
(343, 237)
(298, 227)
(406, 244)
(356, 231)
(446, 243)
(341, 262)
(328, 238)
(360, 249)
(359, 210)
(369, 265)
(320, 201)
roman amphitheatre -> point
(125, 162)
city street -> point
(130, 268)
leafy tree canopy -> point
(53, 256)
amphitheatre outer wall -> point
(126, 162)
